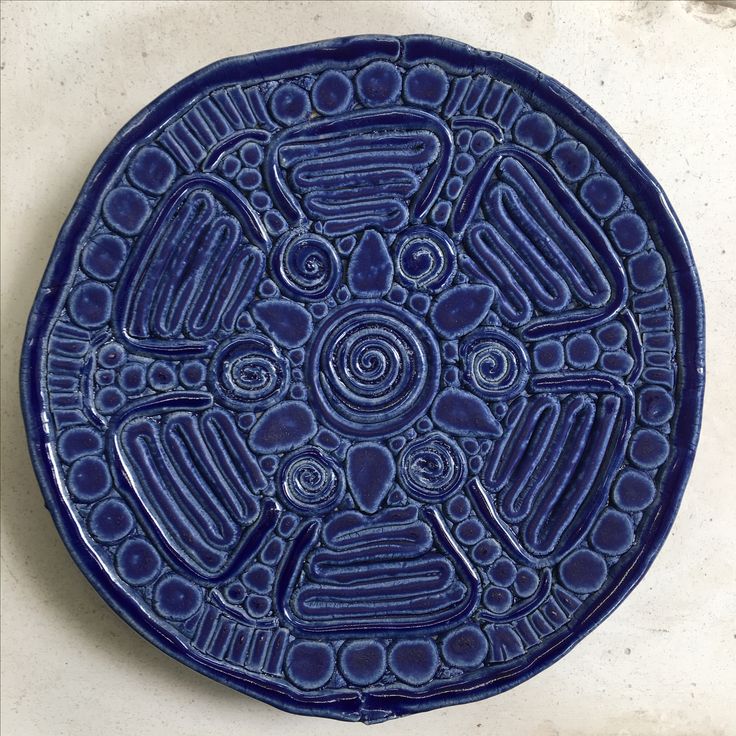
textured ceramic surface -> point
(366, 376)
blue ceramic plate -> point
(366, 376)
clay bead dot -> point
(633, 490)
(497, 600)
(260, 200)
(230, 166)
(126, 210)
(655, 405)
(235, 593)
(132, 378)
(601, 194)
(548, 356)
(251, 154)
(152, 170)
(259, 578)
(104, 377)
(290, 104)
(457, 508)
(258, 606)
(613, 533)
(249, 179)
(109, 400)
(629, 232)
(485, 551)
(536, 131)
(332, 93)
(465, 647)
(110, 521)
(527, 581)
(463, 138)
(582, 351)
(88, 479)
(470, 531)
(275, 223)
(464, 163)
(583, 571)
(192, 373)
(362, 662)
(379, 83)
(648, 449)
(414, 661)
(618, 362)
(90, 304)
(103, 257)
(175, 598)
(503, 572)
(646, 270)
(426, 86)
(481, 143)
(161, 376)
(453, 187)
(288, 524)
(272, 551)
(571, 159)
(611, 336)
(310, 664)
(78, 442)
(137, 562)
(111, 355)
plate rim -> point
(541, 90)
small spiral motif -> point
(306, 267)
(425, 259)
(249, 374)
(311, 482)
(495, 364)
(374, 368)
(432, 468)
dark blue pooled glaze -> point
(366, 375)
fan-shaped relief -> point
(369, 168)
(545, 482)
(193, 272)
(397, 570)
(538, 246)
(194, 482)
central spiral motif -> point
(306, 267)
(311, 482)
(373, 369)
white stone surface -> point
(661, 73)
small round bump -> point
(379, 83)
(137, 562)
(290, 104)
(332, 93)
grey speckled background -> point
(74, 73)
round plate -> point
(366, 376)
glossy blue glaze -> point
(366, 375)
